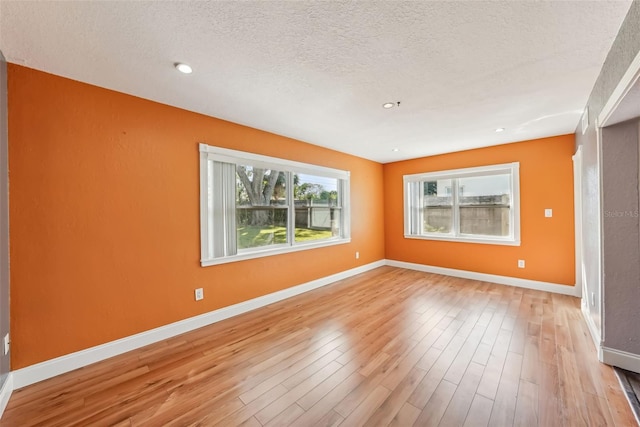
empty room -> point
(310, 213)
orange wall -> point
(104, 213)
(546, 181)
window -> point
(471, 205)
(253, 206)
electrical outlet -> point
(357, 255)
(520, 263)
(548, 213)
(199, 294)
(6, 344)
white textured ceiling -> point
(320, 71)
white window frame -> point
(413, 205)
(209, 154)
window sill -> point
(260, 253)
(466, 239)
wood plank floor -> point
(389, 347)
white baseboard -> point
(5, 393)
(621, 359)
(502, 280)
(60, 365)
(51, 368)
(593, 330)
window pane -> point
(484, 205)
(261, 207)
(438, 206)
(248, 208)
(318, 207)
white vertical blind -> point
(224, 210)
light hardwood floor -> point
(388, 347)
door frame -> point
(606, 118)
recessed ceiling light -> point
(395, 150)
(500, 130)
(183, 68)
(388, 105)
